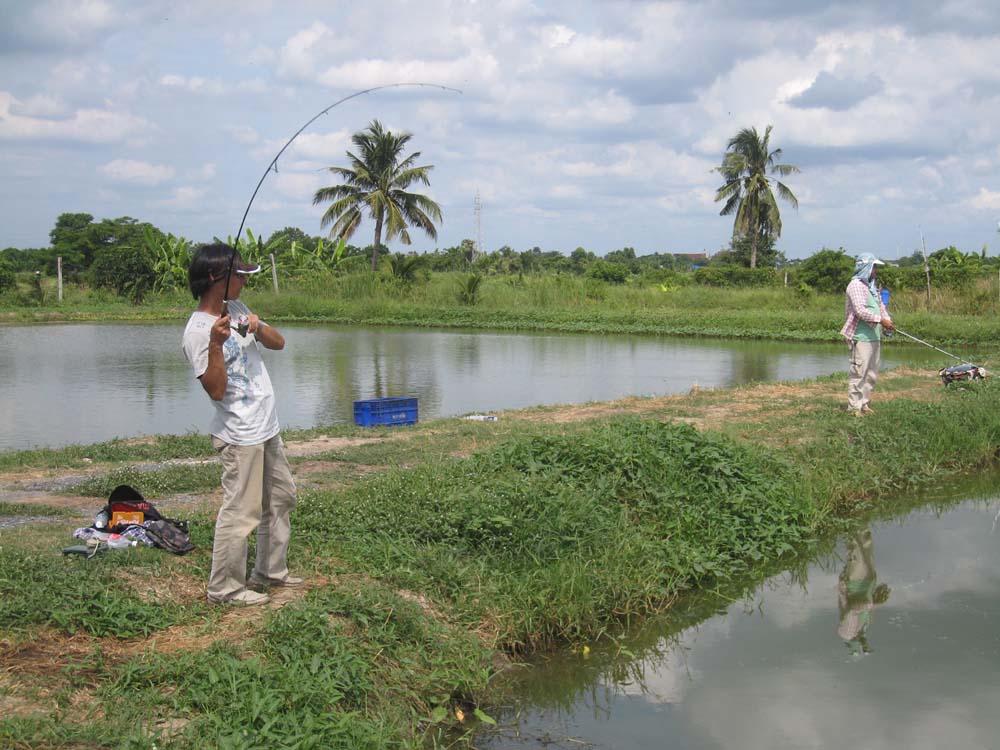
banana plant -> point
(251, 249)
(172, 257)
(328, 257)
(335, 255)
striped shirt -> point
(856, 308)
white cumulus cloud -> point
(194, 84)
(86, 125)
(138, 172)
(298, 185)
(986, 200)
(184, 198)
(307, 49)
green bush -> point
(804, 292)
(954, 277)
(612, 273)
(667, 277)
(827, 271)
(727, 276)
(902, 278)
(7, 277)
(129, 271)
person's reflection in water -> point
(858, 593)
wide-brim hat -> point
(868, 259)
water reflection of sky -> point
(83, 383)
(773, 672)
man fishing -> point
(866, 317)
(257, 486)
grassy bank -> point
(554, 303)
(436, 554)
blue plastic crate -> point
(385, 412)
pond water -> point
(65, 384)
(889, 641)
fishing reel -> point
(242, 325)
(239, 313)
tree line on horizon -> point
(116, 253)
(133, 257)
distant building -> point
(697, 260)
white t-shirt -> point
(245, 415)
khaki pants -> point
(257, 493)
(865, 359)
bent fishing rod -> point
(274, 163)
(921, 341)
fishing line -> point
(921, 341)
(274, 162)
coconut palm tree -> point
(376, 183)
(747, 190)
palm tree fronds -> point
(747, 189)
(375, 183)
(785, 194)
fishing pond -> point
(83, 383)
(888, 638)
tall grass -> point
(559, 302)
(575, 304)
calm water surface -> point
(814, 663)
(67, 384)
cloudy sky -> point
(580, 124)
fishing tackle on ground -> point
(274, 163)
(958, 373)
(955, 373)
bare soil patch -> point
(323, 444)
(710, 407)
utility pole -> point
(478, 212)
(927, 268)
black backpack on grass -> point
(127, 507)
